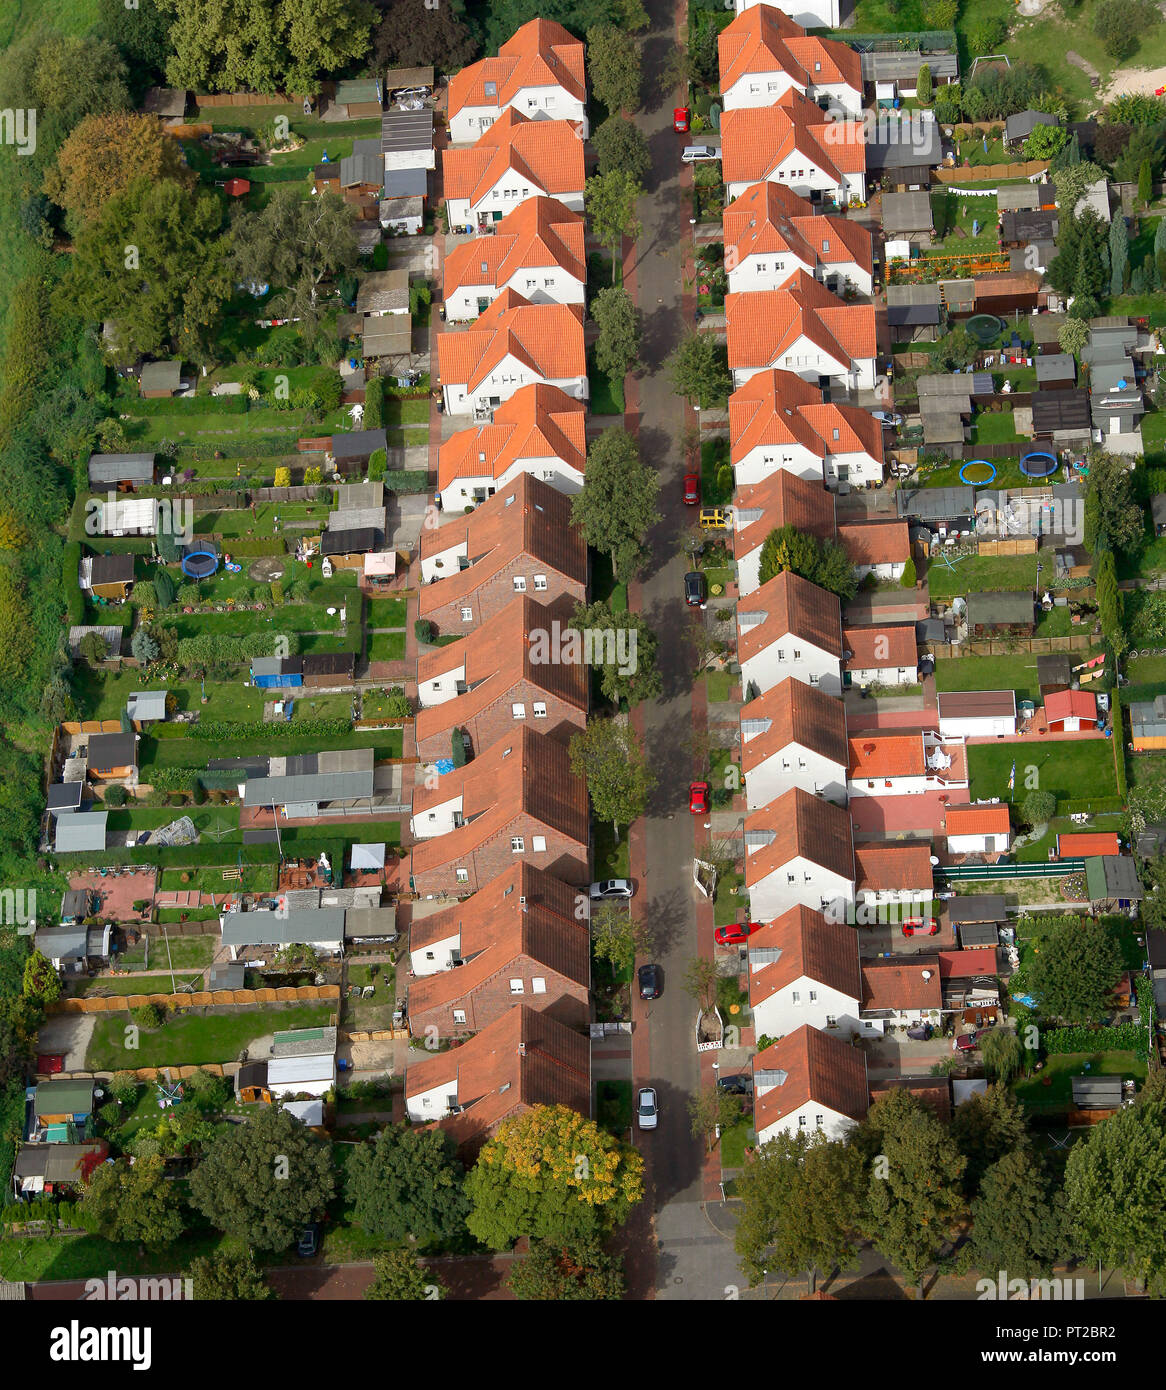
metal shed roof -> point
(146, 704)
(283, 929)
(974, 935)
(938, 503)
(406, 183)
(1012, 197)
(358, 443)
(308, 788)
(121, 468)
(907, 212)
(65, 796)
(82, 831)
(406, 131)
(1056, 366)
(160, 376)
(978, 907)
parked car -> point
(920, 1032)
(681, 118)
(651, 986)
(920, 926)
(695, 591)
(966, 1042)
(309, 1241)
(692, 489)
(692, 153)
(613, 888)
(698, 798)
(739, 931)
(739, 1084)
(647, 1113)
(888, 418)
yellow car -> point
(715, 519)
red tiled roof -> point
(526, 773)
(783, 499)
(818, 1068)
(887, 755)
(524, 1059)
(762, 325)
(770, 219)
(810, 946)
(893, 867)
(764, 39)
(549, 154)
(545, 338)
(539, 54)
(962, 965)
(756, 139)
(539, 421)
(539, 233)
(903, 984)
(798, 714)
(523, 911)
(803, 826)
(527, 517)
(876, 542)
(496, 657)
(977, 820)
(791, 604)
(776, 407)
(1087, 845)
(875, 648)
(1070, 704)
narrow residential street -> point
(693, 1260)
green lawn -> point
(1069, 770)
(90, 1257)
(954, 218)
(714, 454)
(729, 906)
(734, 1140)
(989, 673)
(385, 612)
(1050, 1091)
(135, 984)
(994, 427)
(189, 752)
(611, 857)
(606, 392)
(186, 952)
(187, 1040)
(719, 685)
(978, 574)
(613, 1106)
(386, 646)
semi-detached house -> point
(517, 940)
(514, 160)
(795, 143)
(539, 72)
(799, 850)
(520, 541)
(905, 763)
(782, 499)
(809, 1082)
(887, 655)
(804, 970)
(479, 688)
(790, 629)
(770, 234)
(793, 736)
(779, 422)
(881, 548)
(893, 874)
(764, 54)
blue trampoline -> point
(1050, 459)
(199, 561)
(978, 463)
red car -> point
(739, 931)
(920, 926)
(692, 489)
(680, 119)
(49, 1063)
(698, 798)
(968, 1042)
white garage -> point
(977, 714)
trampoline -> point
(985, 328)
(199, 561)
(1050, 459)
(978, 463)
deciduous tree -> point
(107, 153)
(400, 1279)
(226, 1277)
(1016, 1221)
(627, 660)
(617, 505)
(614, 67)
(610, 203)
(620, 147)
(700, 369)
(1074, 970)
(581, 1271)
(407, 1184)
(411, 34)
(133, 1202)
(985, 1128)
(617, 348)
(611, 759)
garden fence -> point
(205, 999)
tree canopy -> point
(638, 677)
(408, 1184)
(822, 562)
(700, 369)
(105, 155)
(611, 759)
(617, 505)
(126, 1201)
(581, 1271)
(412, 34)
(1074, 970)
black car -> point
(695, 591)
(650, 983)
(309, 1241)
(739, 1084)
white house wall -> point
(795, 766)
(777, 663)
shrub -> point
(329, 389)
(377, 465)
(189, 595)
(313, 475)
(124, 1085)
(380, 256)
(398, 704)
(276, 592)
(116, 796)
(148, 1016)
(923, 89)
(458, 748)
(374, 403)
(424, 630)
(283, 477)
(909, 575)
(109, 1113)
(725, 479)
(987, 36)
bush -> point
(987, 36)
(283, 477)
(923, 89)
(424, 630)
(313, 476)
(909, 575)
(116, 796)
(1119, 23)
(374, 403)
(124, 1086)
(457, 749)
(377, 464)
(276, 592)
(380, 256)
(398, 704)
(148, 1016)
(109, 1113)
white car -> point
(613, 888)
(887, 417)
(647, 1112)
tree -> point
(617, 505)
(617, 349)
(616, 936)
(1071, 181)
(94, 648)
(1145, 183)
(105, 155)
(611, 759)
(164, 589)
(497, 23)
(1015, 1224)
(801, 1204)
(133, 1202)
(614, 67)
(627, 662)
(407, 1185)
(41, 981)
(700, 982)
(1119, 25)
(620, 147)
(153, 261)
(411, 34)
(1038, 807)
(1113, 516)
(1003, 1054)
(914, 1194)
(923, 85)
(1119, 256)
(610, 201)
(1073, 334)
(551, 1174)
(64, 79)
(986, 1127)
(323, 37)
(822, 562)
(400, 1279)
(1111, 604)
(1045, 142)
(262, 1182)
(143, 647)
(1113, 1189)
(581, 1271)
(956, 350)
(224, 1277)
(296, 242)
(141, 37)
(1074, 971)
(700, 369)
(909, 576)
(710, 1110)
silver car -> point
(647, 1112)
(613, 888)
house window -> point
(436, 685)
(467, 615)
(813, 995)
(780, 654)
(540, 710)
(520, 584)
(463, 875)
(429, 955)
(459, 1016)
(815, 678)
(516, 987)
(539, 844)
(818, 1121)
(831, 1021)
(797, 654)
(791, 878)
(795, 997)
(517, 844)
(825, 244)
(540, 582)
(518, 711)
(538, 985)
(801, 1122)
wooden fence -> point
(1026, 545)
(203, 999)
(320, 445)
(990, 173)
(202, 99)
(92, 726)
(1016, 646)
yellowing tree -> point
(104, 155)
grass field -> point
(1067, 769)
(386, 646)
(954, 219)
(385, 612)
(1050, 1091)
(188, 752)
(978, 574)
(989, 673)
(187, 1040)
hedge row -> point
(374, 404)
(408, 480)
(215, 649)
(255, 545)
(74, 598)
(219, 730)
(1121, 1037)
